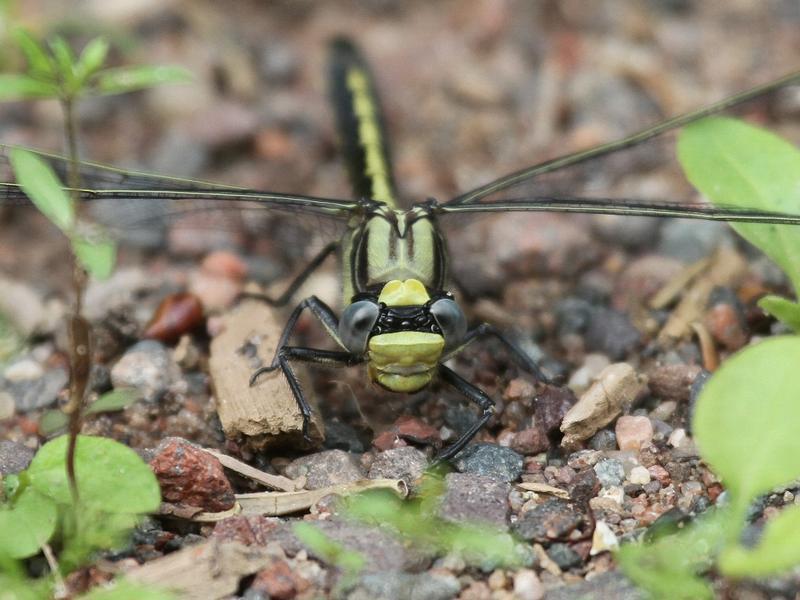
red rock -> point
(176, 315)
(530, 441)
(414, 430)
(190, 476)
(278, 581)
(519, 389)
(726, 326)
(550, 406)
(387, 440)
(642, 278)
(633, 432)
(248, 530)
(660, 474)
(225, 264)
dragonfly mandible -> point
(400, 318)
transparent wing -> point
(127, 202)
(624, 177)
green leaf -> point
(55, 420)
(27, 524)
(786, 311)
(91, 59)
(777, 551)
(41, 185)
(38, 61)
(97, 256)
(128, 79)
(65, 58)
(746, 419)
(126, 590)
(24, 87)
(671, 566)
(20, 588)
(739, 165)
(111, 477)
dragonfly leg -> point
(524, 361)
(319, 309)
(284, 298)
(310, 355)
(473, 394)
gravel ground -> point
(472, 90)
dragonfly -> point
(400, 318)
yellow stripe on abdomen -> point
(370, 137)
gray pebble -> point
(148, 367)
(490, 460)
(14, 457)
(564, 556)
(394, 585)
(406, 463)
(610, 472)
(331, 467)
(475, 498)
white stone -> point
(639, 475)
(527, 585)
(603, 540)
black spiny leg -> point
(310, 355)
(284, 352)
(522, 359)
(473, 394)
(296, 282)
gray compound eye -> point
(451, 320)
(357, 321)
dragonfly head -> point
(403, 331)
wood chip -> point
(274, 504)
(616, 386)
(725, 269)
(545, 562)
(266, 413)
(707, 348)
(674, 287)
(204, 571)
(543, 488)
(275, 482)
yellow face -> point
(404, 361)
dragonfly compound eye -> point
(356, 323)
(451, 321)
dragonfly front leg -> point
(296, 282)
(473, 394)
(310, 355)
(522, 359)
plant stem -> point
(79, 327)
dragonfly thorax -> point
(402, 331)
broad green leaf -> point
(38, 61)
(746, 419)
(24, 87)
(54, 420)
(111, 477)
(122, 589)
(672, 566)
(41, 185)
(92, 58)
(128, 79)
(18, 588)
(777, 551)
(736, 164)
(784, 310)
(27, 524)
(96, 256)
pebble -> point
(7, 406)
(603, 539)
(612, 333)
(611, 584)
(639, 475)
(406, 463)
(672, 382)
(605, 439)
(248, 530)
(190, 476)
(527, 585)
(642, 278)
(475, 498)
(551, 405)
(564, 556)
(582, 377)
(31, 387)
(278, 581)
(416, 431)
(176, 315)
(690, 242)
(610, 472)
(14, 457)
(677, 438)
(490, 460)
(148, 367)
(633, 433)
(553, 519)
(530, 441)
(323, 469)
(411, 586)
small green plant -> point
(736, 164)
(349, 562)
(745, 424)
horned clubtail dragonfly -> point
(400, 318)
